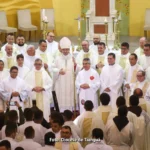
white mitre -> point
(65, 43)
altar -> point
(99, 20)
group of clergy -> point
(29, 75)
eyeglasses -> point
(38, 64)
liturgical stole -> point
(87, 55)
(145, 87)
(44, 58)
(10, 62)
(100, 60)
(1, 54)
(123, 62)
(105, 116)
(39, 96)
(72, 145)
(86, 128)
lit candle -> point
(78, 24)
(105, 20)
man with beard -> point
(20, 44)
(96, 41)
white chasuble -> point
(130, 78)
(39, 96)
(64, 84)
(91, 78)
(144, 61)
(42, 79)
(111, 77)
(139, 52)
(10, 85)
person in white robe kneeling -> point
(64, 68)
(40, 85)
(111, 79)
(104, 109)
(65, 143)
(87, 83)
(87, 121)
(98, 142)
(14, 89)
(49, 140)
(119, 132)
(28, 143)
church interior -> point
(75, 74)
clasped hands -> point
(38, 89)
(84, 86)
(15, 94)
(62, 72)
(100, 65)
(107, 90)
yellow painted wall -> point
(137, 15)
(65, 13)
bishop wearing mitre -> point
(63, 68)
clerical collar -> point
(111, 64)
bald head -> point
(85, 46)
(31, 50)
(138, 92)
(50, 37)
(96, 39)
(9, 50)
(142, 42)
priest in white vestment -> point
(64, 67)
(68, 118)
(9, 59)
(119, 132)
(40, 85)
(4, 73)
(87, 84)
(21, 46)
(130, 75)
(22, 69)
(111, 79)
(104, 109)
(46, 57)
(65, 143)
(96, 41)
(85, 53)
(52, 46)
(10, 41)
(141, 83)
(140, 51)
(144, 60)
(87, 121)
(101, 58)
(30, 57)
(123, 58)
(14, 89)
(99, 144)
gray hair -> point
(30, 46)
